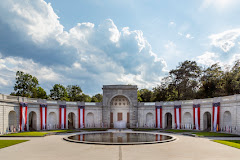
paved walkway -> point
(54, 147)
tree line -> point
(191, 81)
(187, 81)
(27, 85)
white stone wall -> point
(146, 116)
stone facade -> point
(118, 109)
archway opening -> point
(120, 112)
(52, 120)
(187, 120)
(90, 120)
(168, 120)
(207, 121)
(32, 121)
(71, 120)
(12, 121)
(149, 120)
(227, 121)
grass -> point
(7, 143)
(27, 134)
(145, 129)
(232, 143)
(179, 130)
(61, 131)
(215, 134)
(94, 129)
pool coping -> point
(132, 143)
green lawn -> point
(27, 134)
(232, 143)
(61, 131)
(145, 129)
(178, 130)
(6, 143)
(215, 134)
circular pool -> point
(120, 138)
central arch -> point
(168, 120)
(32, 121)
(119, 112)
(207, 121)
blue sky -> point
(98, 42)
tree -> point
(73, 92)
(41, 93)
(211, 82)
(25, 84)
(97, 98)
(83, 98)
(145, 95)
(231, 80)
(59, 92)
(185, 78)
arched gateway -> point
(119, 112)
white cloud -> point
(218, 4)
(170, 45)
(34, 18)
(10, 65)
(172, 24)
(207, 59)
(188, 36)
(225, 40)
(91, 55)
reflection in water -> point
(115, 137)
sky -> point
(104, 42)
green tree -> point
(84, 98)
(145, 95)
(73, 92)
(39, 92)
(186, 79)
(211, 82)
(25, 84)
(97, 98)
(59, 92)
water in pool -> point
(119, 137)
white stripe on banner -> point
(23, 118)
(62, 118)
(178, 123)
(81, 118)
(196, 118)
(43, 117)
(158, 116)
(215, 118)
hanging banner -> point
(23, 116)
(196, 116)
(81, 116)
(177, 114)
(43, 116)
(158, 116)
(62, 116)
(216, 115)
